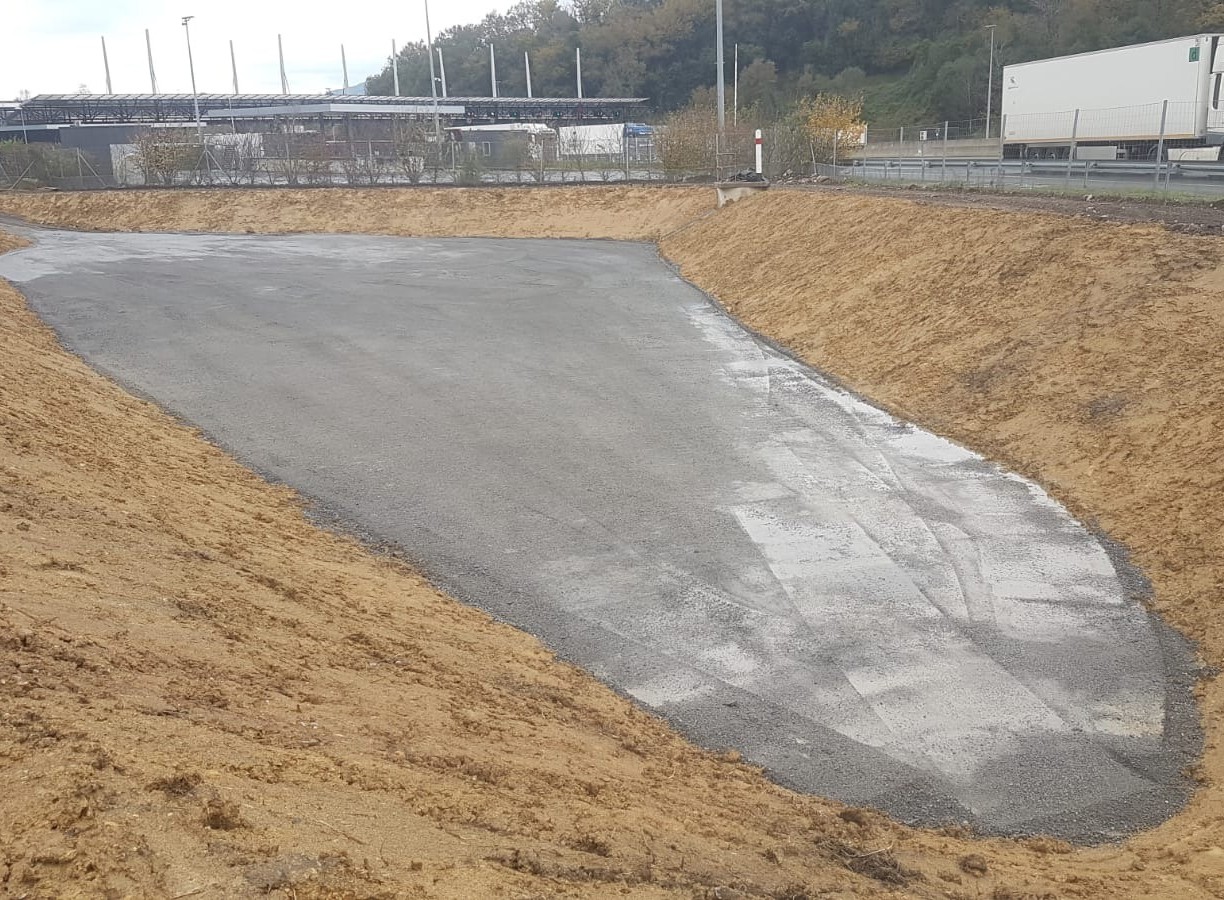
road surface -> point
(569, 436)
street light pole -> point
(433, 83)
(990, 81)
(735, 90)
(195, 97)
(106, 65)
(280, 51)
(394, 68)
(722, 87)
(152, 73)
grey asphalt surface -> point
(569, 436)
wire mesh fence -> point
(166, 159)
(177, 158)
(1168, 147)
(23, 165)
(1164, 148)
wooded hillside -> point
(913, 60)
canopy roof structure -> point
(126, 109)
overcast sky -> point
(54, 46)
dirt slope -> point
(623, 213)
(185, 620)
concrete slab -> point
(573, 438)
(731, 191)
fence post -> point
(20, 178)
(1164, 118)
(1002, 148)
(943, 172)
(1071, 151)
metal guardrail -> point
(1049, 167)
(1192, 178)
(1052, 165)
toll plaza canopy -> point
(122, 109)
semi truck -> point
(1139, 102)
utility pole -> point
(493, 69)
(344, 68)
(234, 67)
(527, 64)
(735, 93)
(106, 65)
(442, 71)
(722, 87)
(433, 84)
(195, 97)
(280, 46)
(578, 61)
(152, 74)
(990, 80)
(394, 69)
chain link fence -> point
(45, 166)
(175, 159)
(1166, 148)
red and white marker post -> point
(759, 144)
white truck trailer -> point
(1117, 99)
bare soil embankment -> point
(166, 614)
(632, 214)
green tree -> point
(912, 60)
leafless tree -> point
(686, 144)
(162, 154)
(516, 154)
(412, 144)
(316, 161)
(359, 169)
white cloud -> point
(54, 46)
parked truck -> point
(1137, 102)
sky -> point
(54, 46)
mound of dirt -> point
(204, 692)
(622, 213)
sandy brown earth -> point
(1183, 215)
(205, 695)
(637, 213)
